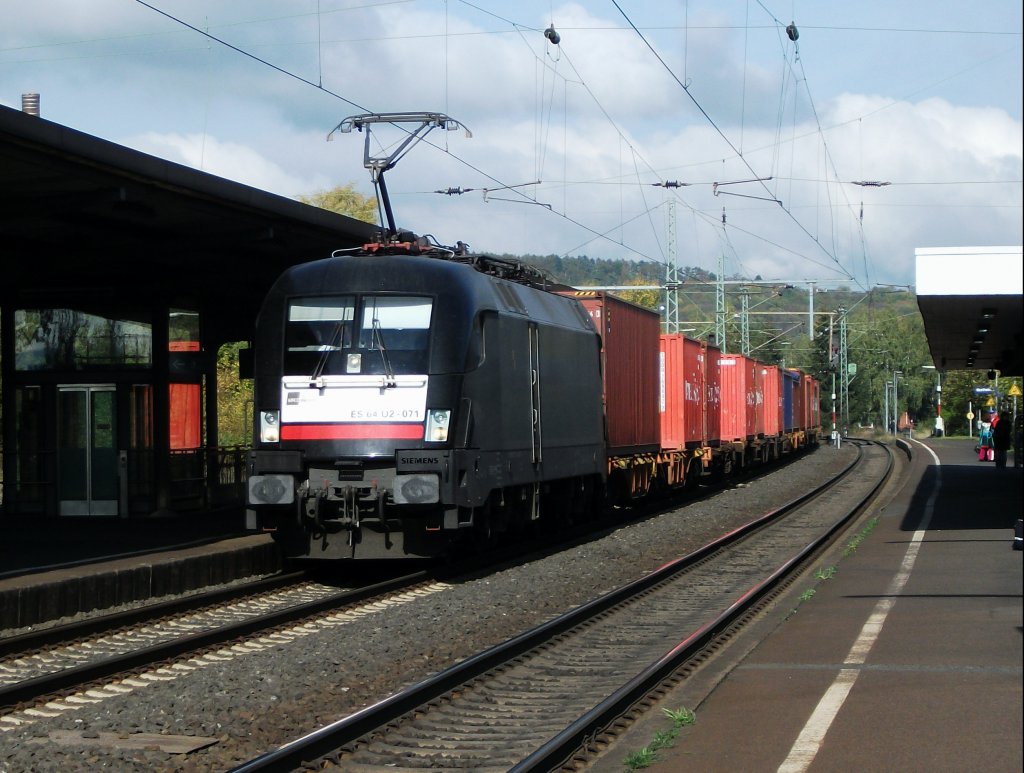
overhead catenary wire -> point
(252, 56)
(722, 134)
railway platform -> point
(52, 568)
(906, 657)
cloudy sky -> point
(572, 144)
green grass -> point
(663, 739)
(855, 542)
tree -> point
(650, 299)
(234, 399)
(957, 396)
(885, 336)
(345, 200)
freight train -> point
(412, 399)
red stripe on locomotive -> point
(352, 432)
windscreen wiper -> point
(389, 373)
(326, 349)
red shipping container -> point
(629, 354)
(771, 386)
(812, 402)
(672, 402)
(734, 377)
(712, 396)
(683, 381)
(755, 399)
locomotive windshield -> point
(369, 334)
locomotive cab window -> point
(372, 334)
(319, 324)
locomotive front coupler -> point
(329, 510)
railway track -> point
(48, 662)
(540, 700)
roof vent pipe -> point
(30, 104)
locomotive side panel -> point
(504, 406)
(535, 402)
(571, 404)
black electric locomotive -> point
(405, 402)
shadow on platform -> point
(34, 543)
(972, 495)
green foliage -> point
(885, 337)
(345, 200)
(681, 717)
(234, 399)
(649, 299)
(851, 548)
(589, 271)
(663, 739)
(642, 758)
(958, 397)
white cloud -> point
(597, 119)
(226, 159)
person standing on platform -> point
(1018, 437)
(1001, 434)
(985, 437)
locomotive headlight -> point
(354, 363)
(437, 426)
(270, 426)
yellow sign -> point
(990, 402)
(970, 415)
(1015, 391)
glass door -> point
(87, 449)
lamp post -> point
(895, 402)
(885, 415)
(940, 428)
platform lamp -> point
(940, 428)
(895, 403)
(886, 415)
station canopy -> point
(98, 223)
(971, 302)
